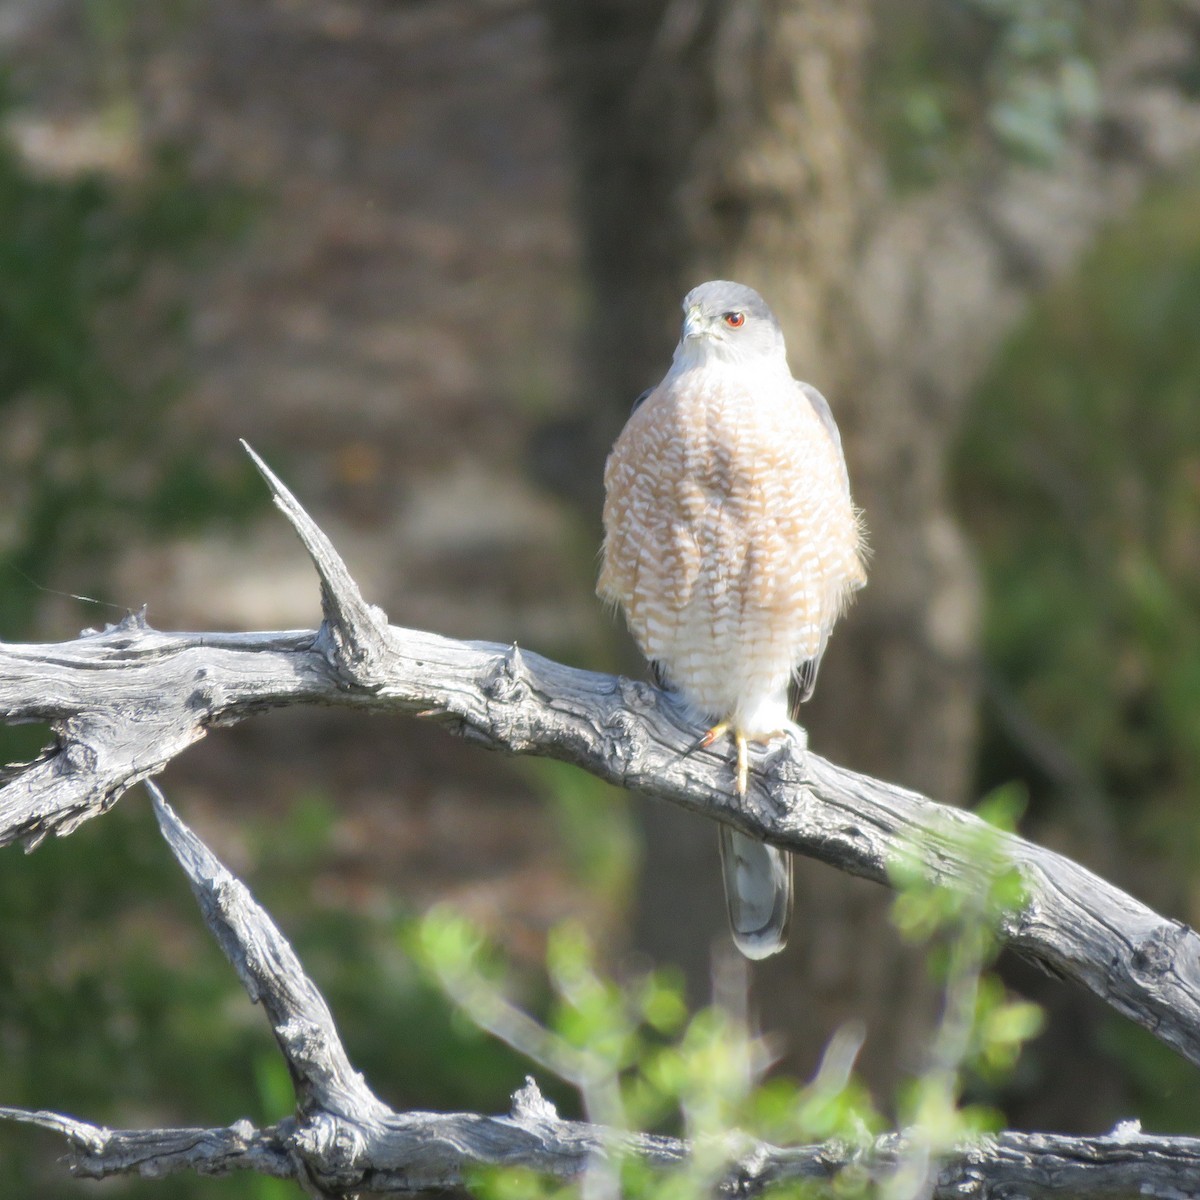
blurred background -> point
(423, 254)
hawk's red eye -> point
(735, 319)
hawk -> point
(732, 545)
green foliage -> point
(595, 825)
(113, 1002)
(639, 1061)
(978, 902)
(961, 913)
(952, 72)
(116, 1003)
(1080, 477)
(1001, 1027)
(87, 373)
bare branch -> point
(357, 629)
(411, 1153)
(126, 701)
(271, 973)
(96, 1152)
(344, 1140)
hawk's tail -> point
(758, 892)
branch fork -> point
(344, 1139)
(125, 701)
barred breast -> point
(731, 542)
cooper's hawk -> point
(732, 545)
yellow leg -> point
(740, 742)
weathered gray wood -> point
(271, 973)
(411, 1153)
(344, 1139)
(126, 701)
(97, 1152)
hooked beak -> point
(693, 324)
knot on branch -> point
(1157, 954)
(785, 760)
(206, 696)
(622, 746)
(132, 623)
(330, 1145)
(782, 788)
(508, 680)
(302, 1040)
(623, 730)
(528, 1103)
(88, 1140)
(77, 756)
(506, 688)
(354, 643)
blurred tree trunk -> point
(724, 139)
(727, 141)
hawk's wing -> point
(805, 678)
(821, 407)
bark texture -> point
(124, 702)
(344, 1140)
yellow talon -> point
(711, 736)
(740, 741)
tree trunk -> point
(723, 139)
(727, 140)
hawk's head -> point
(729, 321)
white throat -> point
(711, 353)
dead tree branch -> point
(126, 701)
(344, 1139)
